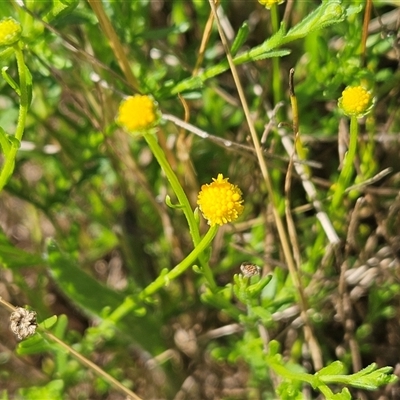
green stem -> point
(9, 162)
(179, 269)
(23, 108)
(184, 203)
(129, 304)
(348, 165)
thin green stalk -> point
(9, 162)
(183, 202)
(24, 101)
(129, 304)
(179, 269)
(348, 165)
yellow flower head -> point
(137, 113)
(10, 31)
(356, 101)
(220, 201)
(269, 3)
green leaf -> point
(92, 297)
(53, 390)
(240, 38)
(271, 54)
(14, 85)
(35, 344)
(343, 395)
(328, 13)
(13, 257)
(4, 142)
(60, 9)
(334, 368)
(264, 48)
(49, 322)
(262, 313)
(371, 378)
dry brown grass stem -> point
(284, 239)
(115, 43)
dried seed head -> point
(249, 269)
(23, 323)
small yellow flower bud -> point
(10, 31)
(220, 202)
(269, 3)
(137, 113)
(356, 101)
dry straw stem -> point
(115, 43)
(310, 189)
(84, 361)
(204, 41)
(302, 170)
(309, 335)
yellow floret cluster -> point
(355, 101)
(269, 3)
(220, 202)
(10, 31)
(137, 113)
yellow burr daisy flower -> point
(137, 113)
(356, 101)
(220, 202)
(10, 31)
(269, 3)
